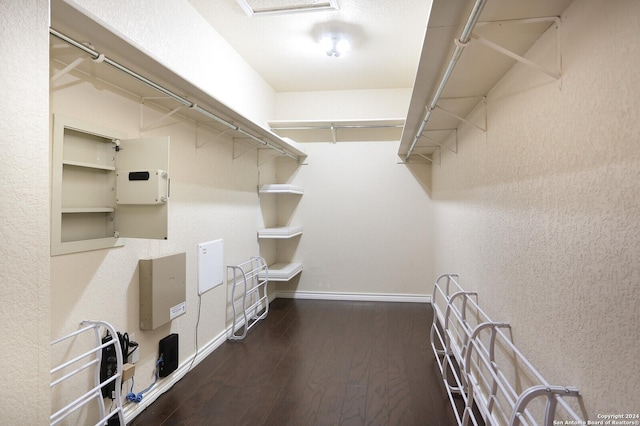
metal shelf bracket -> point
(555, 74)
(157, 122)
(451, 113)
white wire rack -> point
(481, 365)
(249, 298)
(86, 361)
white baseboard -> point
(357, 297)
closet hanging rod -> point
(460, 45)
(102, 58)
(338, 126)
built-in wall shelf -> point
(282, 232)
(281, 188)
(461, 64)
(339, 130)
(282, 268)
(283, 271)
(108, 56)
(87, 165)
(72, 210)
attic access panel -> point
(266, 7)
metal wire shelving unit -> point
(89, 362)
(249, 297)
(480, 364)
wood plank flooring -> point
(316, 363)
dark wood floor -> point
(316, 363)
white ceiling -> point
(386, 39)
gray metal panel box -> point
(162, 290)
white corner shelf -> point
(281, 188)
(282, 271)
(282, 232)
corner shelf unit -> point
(280, 270)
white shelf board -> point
(87, 165)
(87, 210)
(374, 123)
(382, 129)
(280, 232)
(282, 271)
(280, 188)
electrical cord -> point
(197, 323)
(133, 345)
(124, 344)
(133, 397)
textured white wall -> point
(175, 33)
(542, 214)
(366, 221)
(343, 104)
(24, 213)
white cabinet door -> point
(142, 188)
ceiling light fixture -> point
(335, 45)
